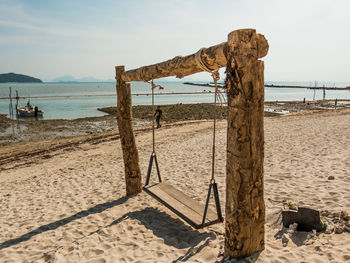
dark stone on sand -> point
(344, 216)
(331, 177)
(339, 230)
(306, 218)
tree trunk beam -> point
(245, 208)
(127, 138)
(213, 58)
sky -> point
(309, 39)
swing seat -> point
(185, 207)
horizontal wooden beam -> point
(211, 58)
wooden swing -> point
(190, 210)
(244, 204)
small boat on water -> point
(29, 111)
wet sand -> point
(26, 130)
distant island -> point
(13, 77)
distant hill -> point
(65, 78)
(13, 77)
(69, 78)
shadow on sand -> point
(54, 225)
(173, 231)
(298, 237)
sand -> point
(69, 205)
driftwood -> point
(245, 208)
(213, 58)
(127, 138)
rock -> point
(329, 227)
(306, 218)
(331, 177)
(339, 230)
(285, 240)
(309, 242)
(336, 215)
(292, 228)
(311, 237)
(344, 215)
(325, 213)
(347, 229)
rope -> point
(199, 61)
(153, 85)
(216, 77)
(153, 137)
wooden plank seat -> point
(185, 207)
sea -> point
(81, 99)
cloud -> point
(13, 17)
(308, 39)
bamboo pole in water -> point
(17, 98)
(11, 106)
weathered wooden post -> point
(127, 138)
(245, 208)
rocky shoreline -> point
(14, 131)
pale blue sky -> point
(309, 39)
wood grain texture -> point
(127, 138)
(245, 208)
(213, 58)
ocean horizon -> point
(71, 100)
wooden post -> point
(127, 138)
(11, 106)
(17, 103)
(245, 208)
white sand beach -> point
(70, 205)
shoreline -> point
(273, 86)
(26, 152)
(25, 130)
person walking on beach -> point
(158, 115)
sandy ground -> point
(69, 205)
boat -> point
(29, 111)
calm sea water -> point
(83, 99)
